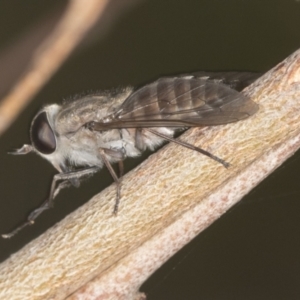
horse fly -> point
(82, 135)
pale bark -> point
(166, 201)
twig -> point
(166, 202)
(78, 19)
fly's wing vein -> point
(183, 101)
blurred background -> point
(251, 252)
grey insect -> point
(80, 136)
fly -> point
(102, 128)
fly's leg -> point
(55, 189)
(120, 155)
(189, 146)
(121, 168)
(102, 152)
(34, 214)
(120, 162)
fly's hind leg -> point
(189, 146)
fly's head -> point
(44, 140)
(60, 135)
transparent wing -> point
(236, 80)
(182, 101)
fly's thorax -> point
(84, 109)
(81, 148)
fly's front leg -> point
(55, 189)
(48, 203)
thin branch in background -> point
(166, 202)
(14, 57)
(79, 18)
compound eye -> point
(42, 135)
